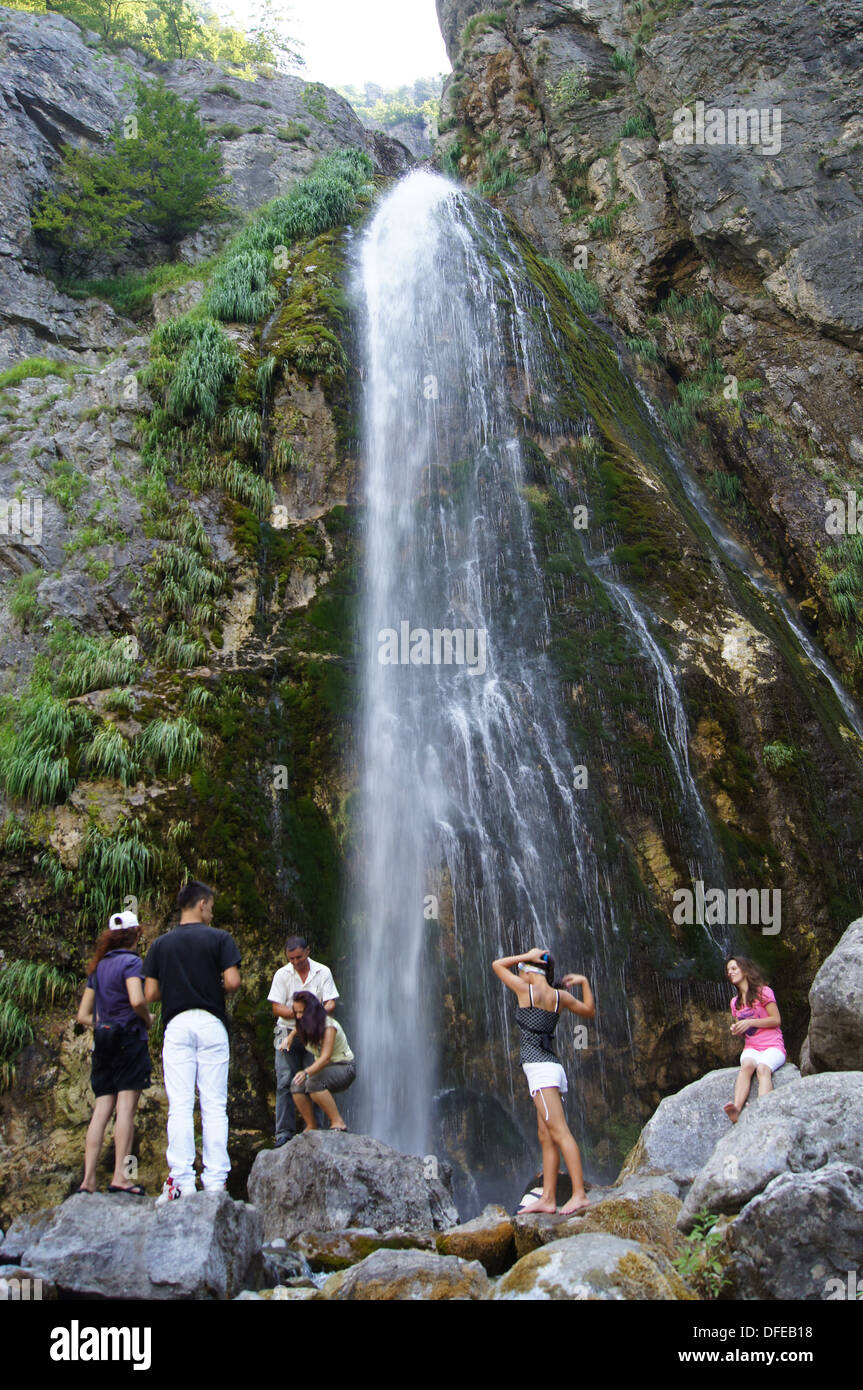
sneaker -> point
(170, 1193)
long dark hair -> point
(312, 1026)
(753, 978)
(113, 941)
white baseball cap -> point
(122, 921)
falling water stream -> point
(746, 565)
(476, 838)
(476, 835)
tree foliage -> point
(160, 171)
(168, 29)
(170, 162)
(380, 107)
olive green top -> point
(341, 1047)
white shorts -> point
(773, 1056)
(541, 1074)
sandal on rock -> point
(136, 1191)
(85, 1191)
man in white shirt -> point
(301, 972)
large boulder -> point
(326, 1181)
(407, 1275)
(798, 1129)
(836, 1002)
(685, 1128)
(333, 1250)
(108, 1246)
(533, 1231)
(649, 1217)
(643, 1209)
(489, 1238)
(801, 1232)
(593, 1267)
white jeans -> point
(196, 1049)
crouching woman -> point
(333, 1069)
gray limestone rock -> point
(835, 1041)
(800, 1235)
(111, 1246)
(326, 1181)
(798, 1128)
(685, 1128)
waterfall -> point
(672, 725)
(476, 834)
(474, 839)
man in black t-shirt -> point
(189, 969)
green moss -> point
(308, 333)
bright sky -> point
(390, 42)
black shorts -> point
(121, 1061)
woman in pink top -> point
(756, 1016)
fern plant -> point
(96, 663)
(24, 986)
(113, 865)
(702, 1263)
(172, 744)
(35, 749)
(109, 754)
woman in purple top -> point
(755, 1017)
(113, 1005)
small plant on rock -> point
(703, 1262)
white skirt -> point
(540, 1074)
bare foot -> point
(732, 1112)
(536, 1207)
(575, 1206)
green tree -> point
(168, 29)
(174, 29)
(91, 211)
(268, 37)
(171, 163)
(161, 172)
(109, 18)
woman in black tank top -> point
(538, 1014)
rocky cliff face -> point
(568, 113)
(272, 670)
(57, 88)
(713, 264)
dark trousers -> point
(287, 1065)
